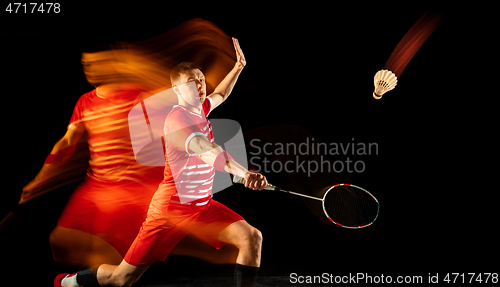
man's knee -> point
(242, 235)
(257, 236)
(253, 239)
(58, 251)
(53, 238)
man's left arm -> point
(223, 90)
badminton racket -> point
(345, 205)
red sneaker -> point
(60, 277)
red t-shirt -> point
(187, 178)
(106, 122)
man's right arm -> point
(208, 152)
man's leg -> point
(124, 274)
(78, 248)
(249, 242)
(247, 238)
(197, 248)
(105, 275)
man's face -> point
(98, 66)
(196, 77)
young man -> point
(183, 202)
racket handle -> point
(239, 179)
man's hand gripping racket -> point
(253, 180)
(345, 205)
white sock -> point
(70, 281)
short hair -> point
(181, 68)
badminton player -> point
(183, 202)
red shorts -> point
(163, 229)
(113, 211)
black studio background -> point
(311, 66)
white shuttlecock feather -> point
(384, 81)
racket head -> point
(350, 206)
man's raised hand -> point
(240, 58)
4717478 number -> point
(32, 8)
(471, 278)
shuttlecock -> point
(384, 81)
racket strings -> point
(350, 206)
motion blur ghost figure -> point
(105, 212)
